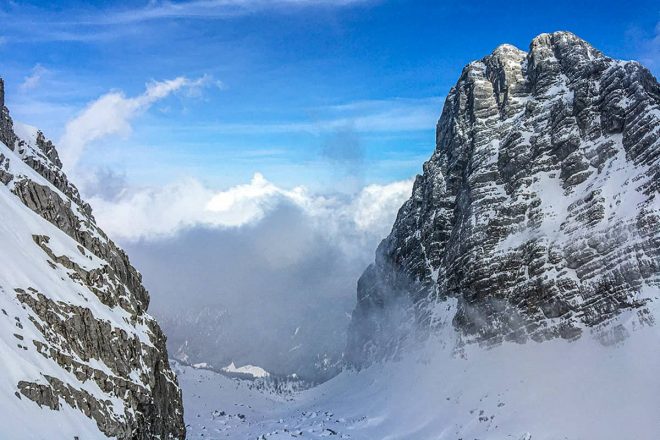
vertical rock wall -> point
(538, 214)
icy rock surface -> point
(538, 211)
(80, 355)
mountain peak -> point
(526, 219)
(563, 45)
(507, 51)
(557, 37)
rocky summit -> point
(81, 357)
(538, 214)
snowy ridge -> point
(251, 370)
(80, 352)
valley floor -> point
(579, 390)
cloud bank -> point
(147, 214)
(254, 274)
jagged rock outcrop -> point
(7, 135)
(538, 214)
(81, 352)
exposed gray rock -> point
(125, 357)
(537, 215)
(7, 135)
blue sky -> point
(305, 92)
(164, 112)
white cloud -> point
(153, 213)
(376, 205)
(112, 113)
(217, 262)
(34, 79)
(230, 249)
(205, 9)
(33, 23)
(245, 203)
(384, 116)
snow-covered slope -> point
(538, 212)
(569, 390)
(81, 357)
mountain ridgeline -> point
(536, 217)
(81, 357)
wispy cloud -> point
(378, 116)
(28, 23)
(213, 9)
(33, 80)
(647, 46)
(112, 114)
(651, 50)
(25, 23)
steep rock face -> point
(538, 214)
(7, 135)
(81, 352)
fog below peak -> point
(277, 291)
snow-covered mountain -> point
(538, 214)
(569, 390)
(515, 298)
(81, 358)
(517, 295)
